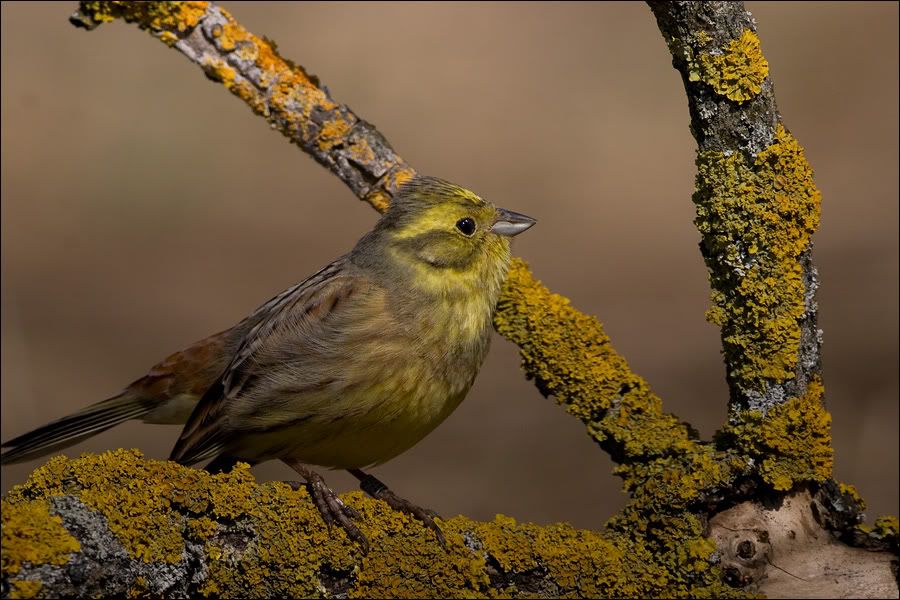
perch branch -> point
(117, 525)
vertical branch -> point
(757, 205)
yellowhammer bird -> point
(346, 369)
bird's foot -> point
(378, 490)
(330, 506)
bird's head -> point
(444, 227)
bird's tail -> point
(74, 428)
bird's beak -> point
(511, 223)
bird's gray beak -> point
(511, 223)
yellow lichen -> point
(739, 72)
(566, 352)
(888, 525)
(886, 528)
(202, 528)
(791, 443)
(569, 356)
(139, 588)
(853, 493)
(664, 469)
(757, 220)
(702, 38)
(155, 16)
(32, 535)
(24, 588)
(289, 548)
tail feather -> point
(73, 428)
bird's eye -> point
(466, 225)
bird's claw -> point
(425, 515)
(333, 509)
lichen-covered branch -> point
(757, 204)
(570, 357)
(117, 525)
(291, 100)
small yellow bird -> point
(346, 369)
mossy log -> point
(118, 525)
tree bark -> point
(757, 205)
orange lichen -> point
(380, 197)
(251, 68)
(155, 16)
(218, 70)
(361, 151)
(333, 133)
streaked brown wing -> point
(314, 297)
(189, 371)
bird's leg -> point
(329, 505)
(375, 488)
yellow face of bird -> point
(444, 226)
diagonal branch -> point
(291, 100)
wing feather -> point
(311, 301)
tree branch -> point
(291, 100)
(757, 204)
(117, 525)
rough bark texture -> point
(114, 524)
(754, 510)
(770, 338)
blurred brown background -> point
(144, 208)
